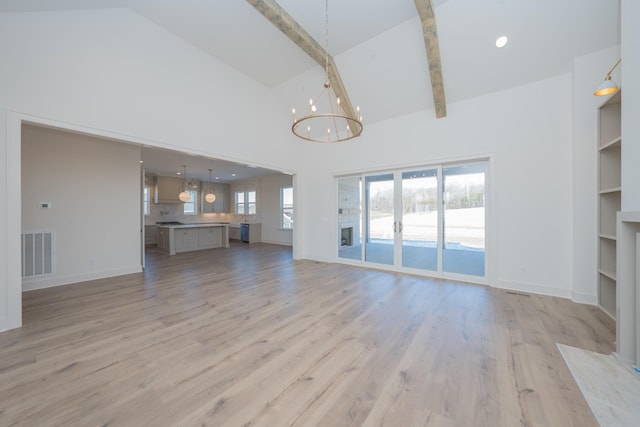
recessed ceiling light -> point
(501, 41)
(233, 174)
(178, 173)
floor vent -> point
(37, 253)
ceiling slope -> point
(289, 27)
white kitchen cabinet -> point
(186, 239)
(150, 235)
(234, 232)
(609, 199)
(167, 189)
(255, 233)
(192, 237)
(221, 205)
(163, 238)
(209, 237)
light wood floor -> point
(246, 336)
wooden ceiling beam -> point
(290, 28)
(428, 19)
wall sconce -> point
(608, 86)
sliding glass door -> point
(419, 222)
(430, 219)
(380, 221)
(464, 223)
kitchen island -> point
(192, 237)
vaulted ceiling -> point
(379, 45)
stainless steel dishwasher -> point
(244, 232)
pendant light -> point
(184, 195)
(211, 196)
(334, 125)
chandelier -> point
(334, 125)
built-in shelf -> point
(612, 144)
(609, 200)
(611, 190)
(608, 274)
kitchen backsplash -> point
(176, 213)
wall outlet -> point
(44, 205)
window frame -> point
(192, 201)
(243, 204)
(286, 208)
(146, 200)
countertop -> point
(201, 225)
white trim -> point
(533, 288)
(50, 282)
(14, 221)
(584, 298)
(480, 157)
(273, 242)
(126, 138)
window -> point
(245, 202)
(286, 207)
(190, 207)
(146, 200)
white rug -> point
(611, 388)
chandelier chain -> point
(326, 38)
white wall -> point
(526, 130)
(630, 105)
(93, 186)
(271, 231)
(588, 74)
(113, 73)
(138, 81)
(267, 189)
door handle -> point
(394, 226)
(400, 226)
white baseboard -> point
(52, 281)
(531, 288)
(316, 258)
(584, 298)
(273, 242)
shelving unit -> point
(609, 199)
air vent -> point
(37, 253)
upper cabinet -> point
(167, 189)
(221, 204)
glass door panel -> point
(420, 219)
(380, 222)
(349, 218)
(463, 250)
